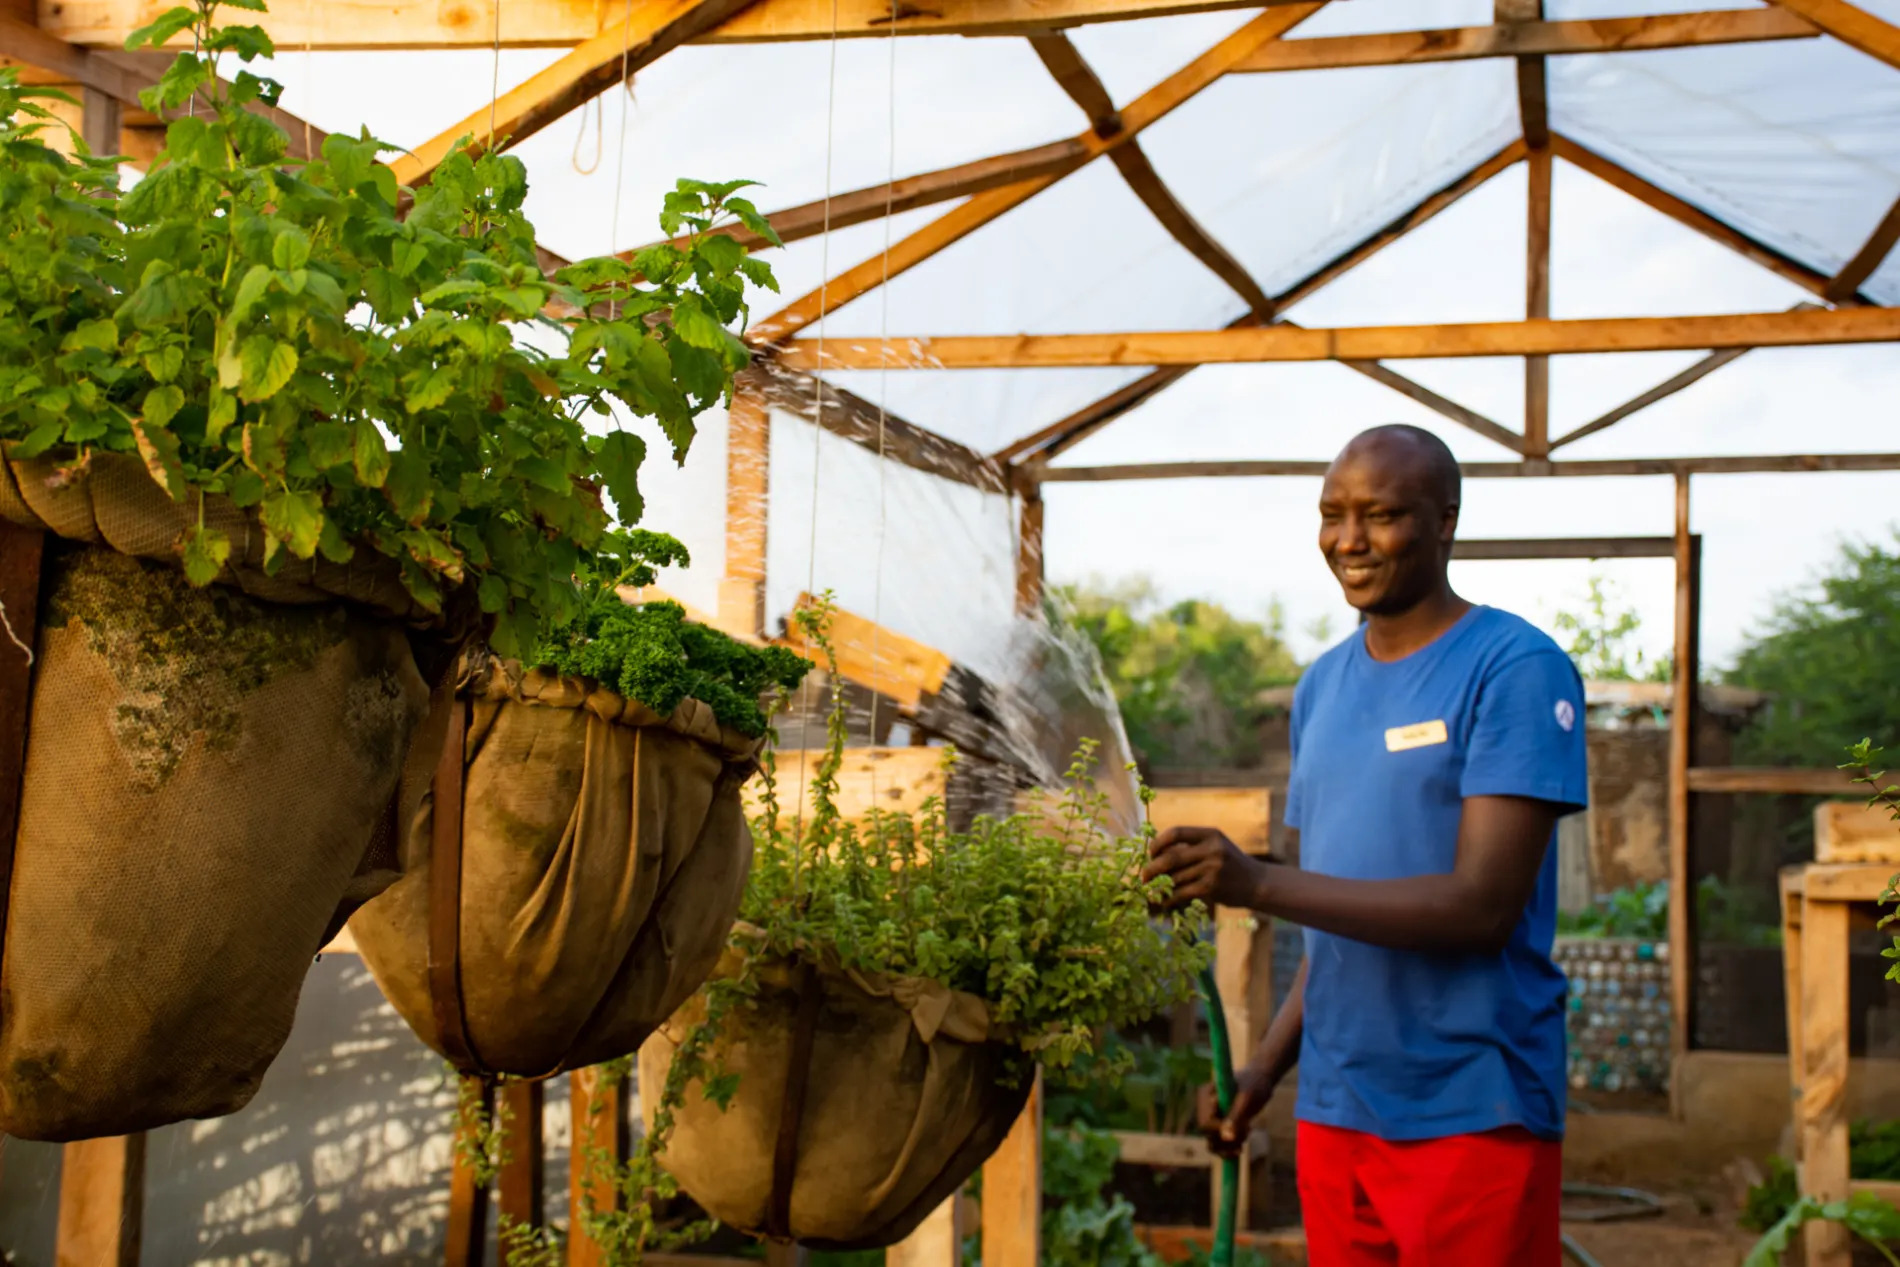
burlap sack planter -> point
(862, 1103)
(603, 851)
(207, 776)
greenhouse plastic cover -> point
(1796, 143)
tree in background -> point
(1829, 658)
(1188, 676)
(1602, 637)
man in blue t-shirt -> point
(1434, 751)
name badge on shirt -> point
(1421, 734)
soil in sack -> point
(904, 1095)
(604, 851)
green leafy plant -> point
(1639, 910)
(651, 653)
(1042, 914)
(1861, 760)
(1082, 1224)
(1867, 1216)
(345, 355)
(1154, 1089)
(1602, 637)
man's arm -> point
(1273, 1059)
(1473, 907)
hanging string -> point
(818, 384)
(620, 161)
(15, 638)
(600, 128)
(884, 372)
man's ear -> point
(1448, 524)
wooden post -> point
(465, 1238)
(1537, 303)
(101, 1202)
(101, 122)
(1012, 1192)
(1681, 740)
(748, 485)
(937, 1242)
(1791, 889)
(1821, 1111)
(523, 1165)
(1029, 552)
(600, 1127)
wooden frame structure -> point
(74, 43)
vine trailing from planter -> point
(344, 355)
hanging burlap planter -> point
(862, 1103)
(206, 797)
(582, 889)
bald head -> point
(1413, 453)
(1388, 511)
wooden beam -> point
(1853, 25)
(1012, 1192)
(901, 669)
(595, 65)
(465, 1237)
(1872, 254)
(1077, 79)
(1534, 114)
(952, 227)
(860, 206)
(1600, 35)
(1617, 467)
(1771, 780)
(851, 417)
(600, 1140)
(1689, 215)
(1438, 404)
(103, 117)
(1067, 432)
(748, 486)
(781, 20)
(1469, 550)
(1283, 342)
(1820, 1105)
(101, 1202)
(1668, 387)
(355, 24)
(1029, 564)
(1682, 717)
(521, 1187)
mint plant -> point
(344, 355)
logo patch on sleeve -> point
(1566, 714)
(1422, 734)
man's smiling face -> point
(1382, 525)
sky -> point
(1283, 169)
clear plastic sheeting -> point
(1796, 143)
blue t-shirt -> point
(1407, 1044)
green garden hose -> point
(1224, 1091)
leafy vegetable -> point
(345, 355)
(1864, 1214)
(1042, 914)
(1083, 1226)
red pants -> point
(1486, 1200)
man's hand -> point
(1205, 865)
(1227, 1136)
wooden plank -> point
(1012, 1192)
(465, 1235)
(599, 1113)
(900, 668)
(1282, 342)
(1689, 215)
(748, 487)
(1852, 25)
(1078, 426)
(1142, 1148)
(354, 24)
(1854, 831)
(595, 65)
(874, 202)
(1681, 755)
(1245, 814)
(1029, 557)
(522, 1184)
(1471, 549)
(1779, 780)
(1846, 882)
(779, 20)
(1790, 892)
(952, 227)
(937, 1242)
(1470, 418)
(1661, 391)
(1886, 1189)
(1821, 1108)
(1600, 35)
(1872, 254)
(1181, 225)
(851, 417)
(103, 116)
(101, 1202)
(1074, 75)
(1537, 272)
(1618, 467)
(897, 780)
